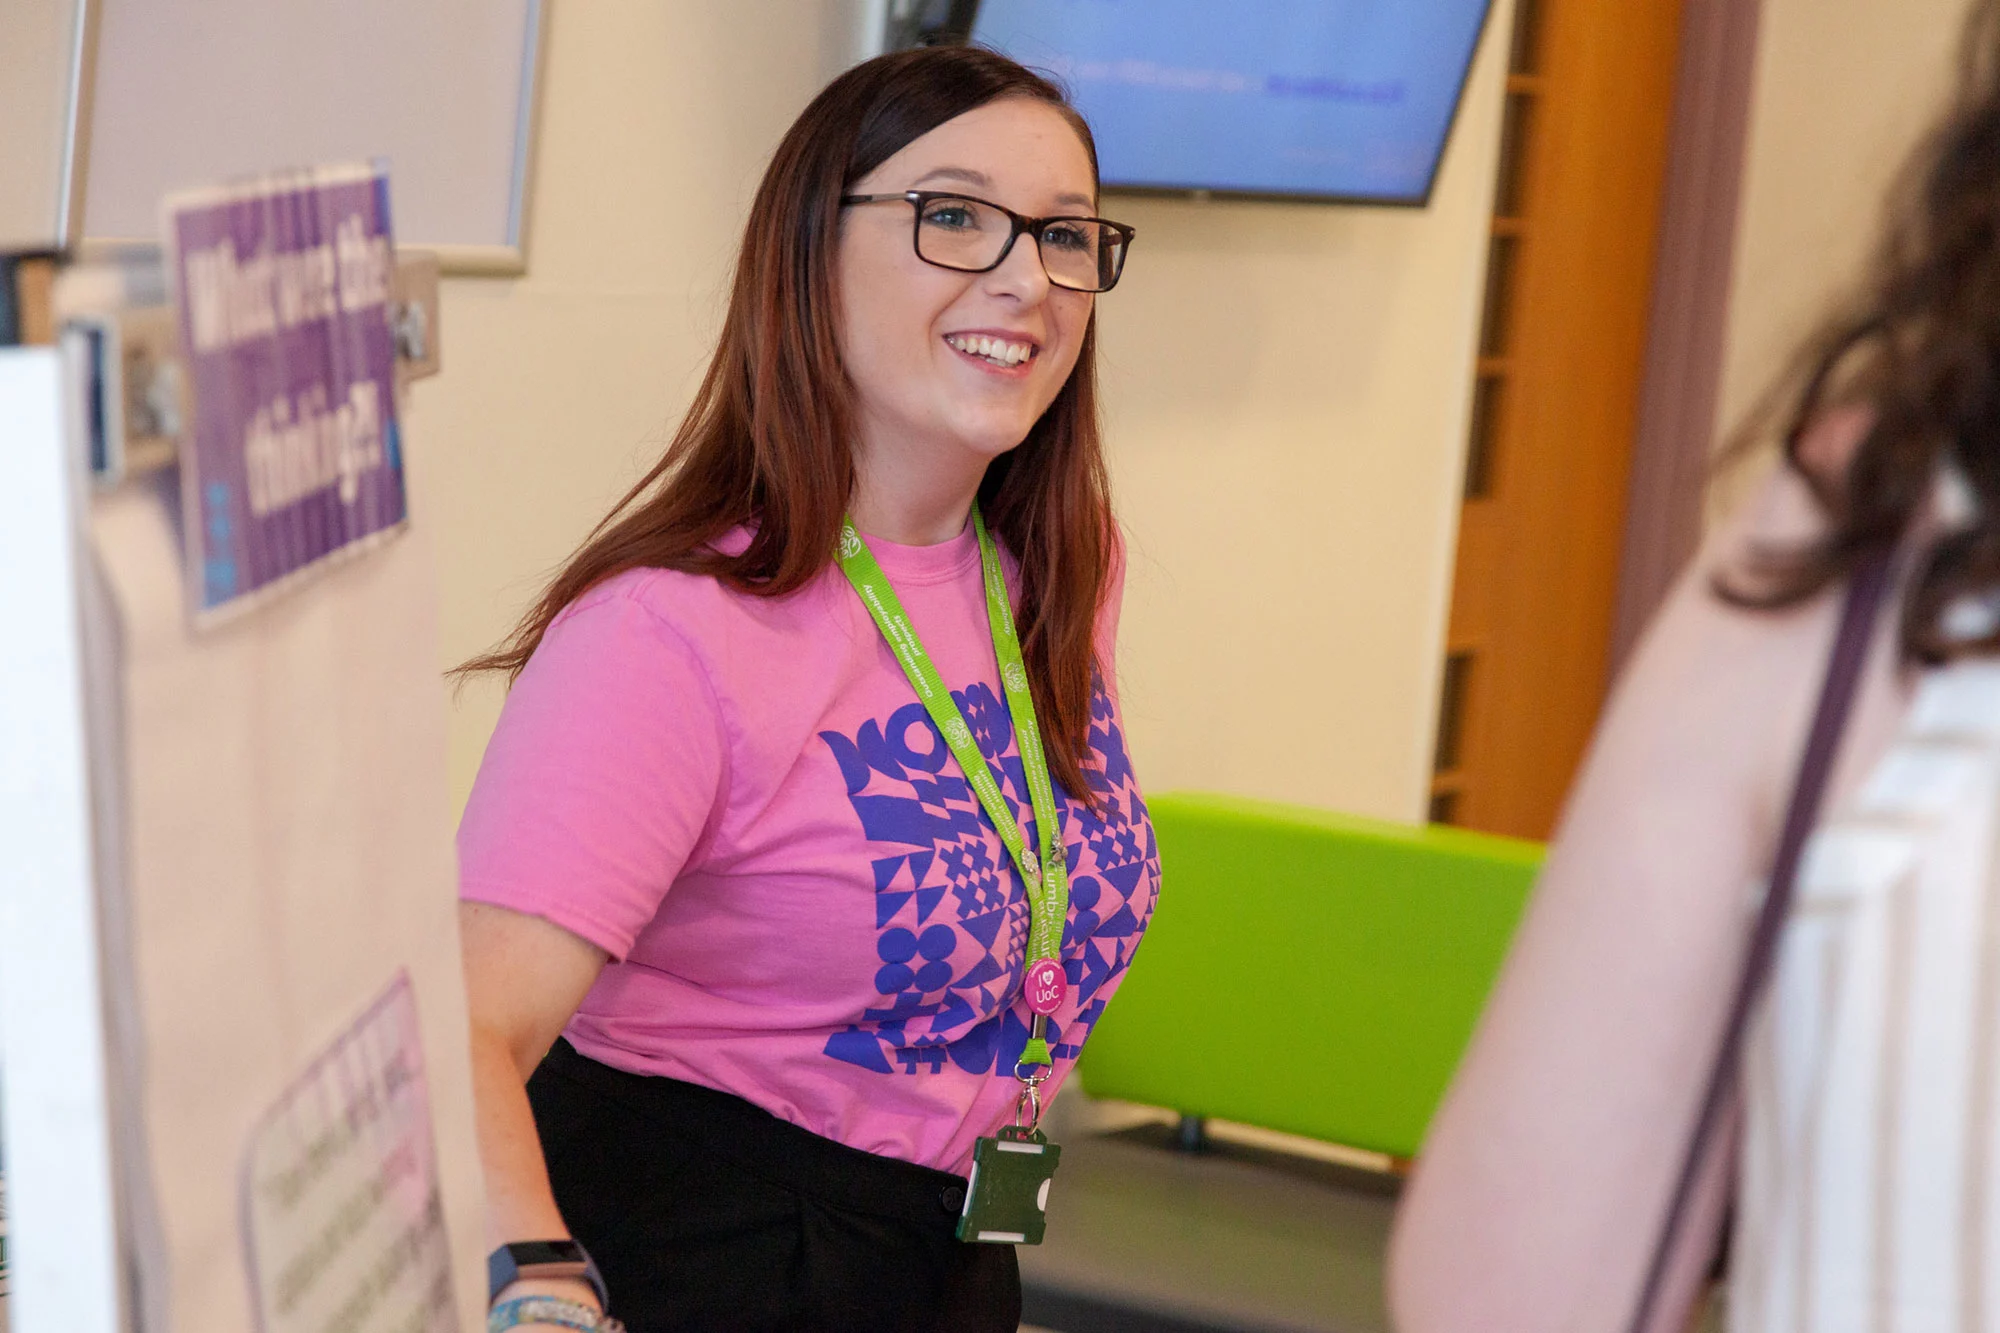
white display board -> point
(228, 912)
(289, 830)
(444, 89)
(56, 1116)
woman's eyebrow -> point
(985, 182)
(966, 174)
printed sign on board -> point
(342, 1204)
(293, 455)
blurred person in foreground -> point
(1864, 1148)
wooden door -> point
(1555, 406)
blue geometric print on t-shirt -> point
(951, 909)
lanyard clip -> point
(1029, 1103)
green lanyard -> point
(1047, 875)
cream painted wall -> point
(1844, 90)
(561, 386)
(1287, 388)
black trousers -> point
(706, 1212)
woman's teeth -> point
(997, 350)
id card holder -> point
(1007, 1199)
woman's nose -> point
(1021, 274)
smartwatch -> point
(542, 1259)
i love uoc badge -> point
(1045, 986)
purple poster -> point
(293, 456)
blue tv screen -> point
(1332, 99)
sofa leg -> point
(1192, 1134)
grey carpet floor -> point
(1144, 1237)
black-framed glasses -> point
(957, 231)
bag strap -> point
(1865, 594)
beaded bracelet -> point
(550, 1310)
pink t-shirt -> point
(742, 802)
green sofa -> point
(1309, 972)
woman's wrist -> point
(541, 1312)
(573, 1289)
(549, 1302)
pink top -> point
(742, 802)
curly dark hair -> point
(1919, 348)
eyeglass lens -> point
(967, 234)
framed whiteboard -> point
(45, 50)
(197, 92)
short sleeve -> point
(602, 778)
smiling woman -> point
(807, 851)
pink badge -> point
(1046, 986)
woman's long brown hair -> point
(767, 441)
(1920, 351)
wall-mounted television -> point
(1341, 100)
